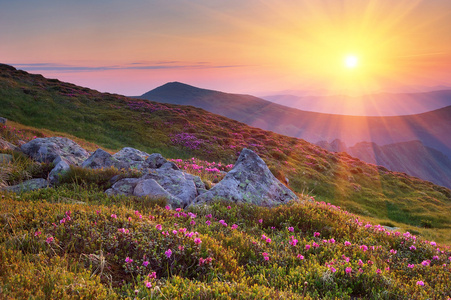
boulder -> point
(59, 170)
(124, 186)
(101, 159)
(178, 187)
(179, 184)
(29, 185)
(3, 120)
(155, 161)
(250, 181)
(49, 149)
(131, 158)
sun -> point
(351, 61)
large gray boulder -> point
(250, 181)
(3, 120)
(59, 170)
(55, 148)
(29, 185)
(131, 158)
(101, 159)
(178, 187)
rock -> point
(179, 184)
(178, 187)
(124, 186)
(3, 120)
(130, 158)
(151, 188)
(60, 169)
(100, 159)
(250, 181)
(48, 149)
(169, 166)
(5, 158)
(155, 161)
(4, 145)
(29, 185)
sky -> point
(253, 47)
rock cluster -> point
(250, 180)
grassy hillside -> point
(114, 121)
(431, 128)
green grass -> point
(50, 107)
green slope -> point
(115, 121)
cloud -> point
(156, 65)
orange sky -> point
(256, 47)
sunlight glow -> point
(351, 61)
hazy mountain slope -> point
(380, 104)
(115, 121)
(411, 157)
(431, 128)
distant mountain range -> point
(411, 157)
(430, 129)
(381, 104)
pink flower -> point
(332, 241)
(208, 222)
(425, 263)
(360, 262)
(128, 260)
(229, 207)
(393, 251)
(413, 247)
(316, 234)
(378, 271)
(49, 240)
(410, 266)
(148, 284)
(158, 226)
(266, 258)
(268, 240)
(290, 229)
(347, 243)
(37, 233)
(114, 216)
(300, 256)
(197, 241)
(348, 270)
(435, 257)
(293, 242)
(168, 253)
(260, 221)
(174, 232)
(420, 283)
(152, 275)
(192, 222)
(145, 263)
(364, 248)
(167, 207)
(333, 270)
(234, 226)
(387, 269)
(307, 247)
(433, 243)
(263, 237)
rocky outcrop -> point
(29, 185)
(49, 149)
(250, 181)
(100, 159)
(131, 158)
(178, 187)
(3, 120)
(59, 170)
